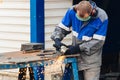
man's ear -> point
(94, 13)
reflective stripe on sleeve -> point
(63, 27)
(86, 38)
(75, 33)
(99, 37)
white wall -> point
(14, 24)
(54, 12)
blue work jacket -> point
(90, 36)
(94, 28)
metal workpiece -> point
(31, 47)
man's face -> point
(84, 15)
(84, 9)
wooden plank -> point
(19, 56)
(15, 57)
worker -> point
(88, 24)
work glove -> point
(72, 50)
(57, 44)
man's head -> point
(84, 10)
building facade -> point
(15, 22)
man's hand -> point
(57, 44)
(72, 50)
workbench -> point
(17, 59)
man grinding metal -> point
(88, 24)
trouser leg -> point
(92, 73)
